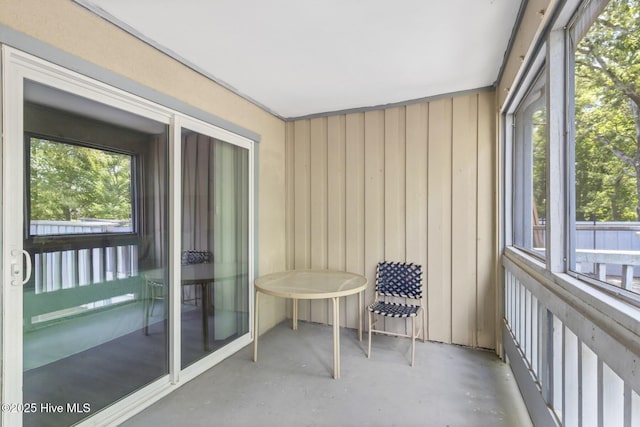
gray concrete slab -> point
(291, 385)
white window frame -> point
(523, 165)
(575, 29)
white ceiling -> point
(302, 57)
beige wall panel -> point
(394, 195)
(302, 203)
(336, 215)
(336, 182)
(394, 184)
(354, 202)
(289, 202)
(439, 220)
(374, 195)
(487, 253)
(290, 187)
(416, 192)
(319, 211)
(418, 171)
(463, 211)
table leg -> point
(146, 294)
(336, 338)
(255, 328)
(295, 314)
(205, 314)
(360, 316)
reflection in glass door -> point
(94, 310)
(215, 244)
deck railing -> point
(64, 269)
(76, 270)
(600, 258)
(574, 354)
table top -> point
(191, 273)
(311, 284)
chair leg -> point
(147, 303)
(369, 349)
(424, 325)
(152, 299)
(413, 339)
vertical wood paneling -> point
(486, 302)
(439, 220)
(318, 150)
(464, 205)
(290, 189)
(413, 184)
(289, 182)
(394, 195)
(394, 184)
(416, 189)
(336, 215)
(354, 193)
(302, 203)
(336, 145)
(374, 195)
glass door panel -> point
(94, 310)
(215, 244)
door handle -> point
(16, 267)
(27, 258)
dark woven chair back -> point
(399, 280)
(196, 257)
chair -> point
(194, 257)
(398, 281)
(155, 288)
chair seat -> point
(392, 309)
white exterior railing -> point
(575, 351)
(599, 258)
(53, 271)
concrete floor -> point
(291, 385)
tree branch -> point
(603, 67)
(628, 160)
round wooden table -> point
(312, 284)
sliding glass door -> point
(95, 231)
(126, 241)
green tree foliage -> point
(607, 103)
(69, 182)
(539, 137)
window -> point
(530, 170)
(76, 189)
(606, 222)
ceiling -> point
(297, 58)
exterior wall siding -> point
(411, 183)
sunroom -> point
(152, 169)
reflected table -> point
(308, 285)
(191, 274)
